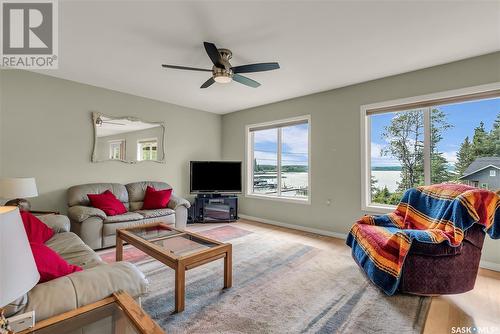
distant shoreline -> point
(387, 168)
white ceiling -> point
(120, 45)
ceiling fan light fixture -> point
(223, 78)
(222, 70)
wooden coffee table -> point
(180, 250)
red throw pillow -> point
(156, 199)
(36, 230)
(50, 265)
(108, 203)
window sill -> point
(306, 201)
(378, 208)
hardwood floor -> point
(479, 307)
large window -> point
(147, 149)
(278, 160)
(447, 137)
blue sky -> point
(294, 142)
(463, 116)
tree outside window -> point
(458, 135)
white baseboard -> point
(296, 227)
(483, 264)
(489, 265)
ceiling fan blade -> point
(255, 67)
(213, 53)
(186, 68)
(246, 81)
(208, 83)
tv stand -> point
(212, 195)
(210, 208)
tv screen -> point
(216, 177)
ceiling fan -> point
(223, 71)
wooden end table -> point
(178, 249)
(124, 314)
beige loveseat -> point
(98, 279)
(99, 231)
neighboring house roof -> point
(481, 163)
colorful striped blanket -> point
(431, 214)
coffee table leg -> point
(119, 249)
(228, 269)
(180, 287)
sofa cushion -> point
(110, 229)
(137, 190)
(77, 195)
(128, 216)
(36, 230)
(155, 213)
(74, 250)
(108, 203)
(49, 264)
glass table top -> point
(153, 232)
(107, 319)
(177, 242)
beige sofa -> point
(98, 280)
(99, 231)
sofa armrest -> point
(101, 281)
(59, 223)
(84, 287)
(176, 201)
(79, 213)
(51, 298)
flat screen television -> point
(218, 177)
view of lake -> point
(297, 182)
(387, 178)
(293, 183)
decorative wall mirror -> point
(127, 139)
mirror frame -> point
(163, 126)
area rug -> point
(278, 287)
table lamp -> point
(18, 272)
(16, 189)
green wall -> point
(1, 129)
(50, 136)
(335, 141)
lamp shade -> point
(18, 272)
(18, 187)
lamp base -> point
(21, 203)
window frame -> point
(421, 101)
(147, 140)
(122, 149)
(249, 154)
